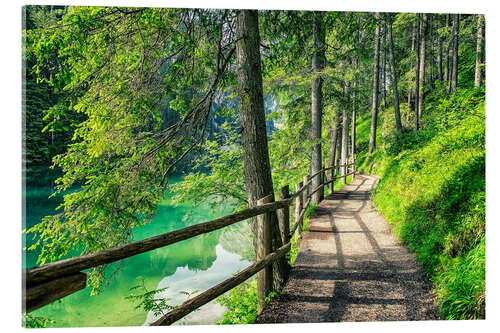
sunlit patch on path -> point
(351, 268)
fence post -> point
(321, 182)
(325, 179)
(298, 209)
(344, 173)
(281, 268)
(305, 198)
(264, 244)
(307, 190)
(332, 176)
(353, 166)
(284, 215)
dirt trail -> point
(351, 268)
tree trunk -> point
(373, 129)
(384, 55)
(394, 77)
(431, 53)
(257, 169)
(353, 124)
(447, 51)
(413, 40)
(479, 49)
(333, 148)
(345, 133)
(423, 32)
(454, 72)
(440, 54)
(318, 61)
(339, 146)
(417, 73)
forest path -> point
(351, 268)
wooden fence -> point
(50, 282)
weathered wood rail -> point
(50, 282)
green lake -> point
(193, 265)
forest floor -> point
(351, 268)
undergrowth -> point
(432, 191)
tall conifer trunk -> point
(479, 48)
(417, 74)
(394, 74)
(257, 169)
(413, 40)
(431, 52)
(373, 129)
(318, 61)
(383, 67)
(423, 31)
(333, 146)
(345, 133)
(447, 51)
(454, 72)
(440, 51)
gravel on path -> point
(350, 267)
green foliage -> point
(40, 144)
(147, 299)
(241, 303)
(118, 69)
(217, 173)
(310, 210)
(461, 286)
(294, 251)
(432, 191)
(295, 244)
(32, 321)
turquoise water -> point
(192, 265)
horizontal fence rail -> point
(72, 265)
(50, 282)
(212, 293)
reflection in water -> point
(186, 280)
(193, 264)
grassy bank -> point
(432, 191)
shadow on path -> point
(351, 268)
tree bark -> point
(417, 74)
(383, 72)
(431, 52)
(447, 52)
(373, 129)
(281, 268)
(394, 77)
(339, 146)
(353, 124)
(454, 72)
(479, 49)
(440, 54)
(413, 40)
(423, 32)
(318, 61)
(257, 169)
(333, 148)
(345, 133)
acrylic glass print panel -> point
(187, 166)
